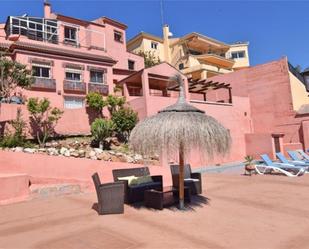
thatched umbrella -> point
(179, 129)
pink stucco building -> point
(262, 106)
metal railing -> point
(74, 87)
(44, 84)
(98, 87)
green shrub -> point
(43, 118)
(17, 135)
(114, 103)
(102, 129)
(95, 101)
(125, 120)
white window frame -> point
(70, 39)
(76, 71)
(67, 106)
(237, 52)
(42, 66)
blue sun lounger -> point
(296, 156)
(287, 169)
(298, 163)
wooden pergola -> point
(202, 86)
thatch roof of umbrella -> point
(180, 128)
(183, 124)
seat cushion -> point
(141, 180)
(192, 179)
(147, 185)
(127, 178)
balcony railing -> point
(42, 84)
(74, 87)
(98, 87)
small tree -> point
(95, 102)
(125, 120)
(150, 59)
(101, 129)
(114, 103)
(17, 137)
(43, 118)
(13, 75)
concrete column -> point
(126, 91)
(186, 88)
(166, 44)
(305, 131)
(145, 84)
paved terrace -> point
(240, 212)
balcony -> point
(98, 87)
(74, 87)
(42, 84)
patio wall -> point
(44, 169)
(235, 117)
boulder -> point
(67, 153)
(63, 150)
(98, 151)
(75, 154)
(104, 156)
(92, 154)
(18, 149)
(29, 150)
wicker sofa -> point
(135, 193)
(192, 180)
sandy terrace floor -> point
(242, 212)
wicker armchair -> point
(136, 193)
(110, 196)
(192, 180)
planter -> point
(249, 168)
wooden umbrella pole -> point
(181, 178)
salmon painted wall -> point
(268, 87)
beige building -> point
(196, 55)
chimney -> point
(47, 9)
(166, 43)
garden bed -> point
(80, 147)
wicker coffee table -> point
(167, 197)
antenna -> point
(162, 17)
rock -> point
(63, 150)
(114, 141)
(18, 149)
(114, 158)
(129, 159)
(52, 152)
(54, 144)
(112, 152)
(93, 158)
(67, 153)
(75, 154)
(41, 150)
(71, 150)
(138, 157)
(48, 144)
(92, 154)
(81, 153)
(104, 156)
(98, 151)
(29, 150)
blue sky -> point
(273, 28)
